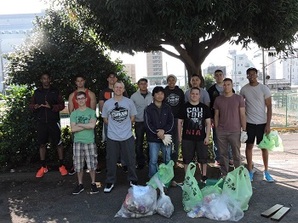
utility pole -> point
(263, 63)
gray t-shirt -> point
(255, 103)
(204, 96)
(118, 115)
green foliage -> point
(193, 27)
(64, 50)
(209, 81)
(17, 134)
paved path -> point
(23, 198)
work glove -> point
(167, 140)
(243, 137)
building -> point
(130, 70)
(155, 68)
(290, 68)
(13, 31)
(212, 68)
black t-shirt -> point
(194, 117)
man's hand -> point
(36, 106)
(267, 129)
(206, 141)
(161, 133)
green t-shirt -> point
(84, 117)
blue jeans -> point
(154, 148)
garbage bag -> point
(213, 189)
(237, 185)
(191, 193)
(164, 204)
(271, 142)
(139, 202)
(165, 174)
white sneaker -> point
(108, 188)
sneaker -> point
(251, 176)
(133, 183)
(231, 163)
(204, 178)
(71, 172)
(41, 172)
(268, 177)
(94, 189)
(108, 188)
(63, 170)
(124, 168)
(79, 188)
(98, 170)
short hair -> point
(81, 93)
(251, 69)
(142, 79)
(228, 79)
(195, 75)
(81, 76)
(194, 88)
(158, 89)
(45, 73)
(119, 82)
(111, 73)
(218, 71)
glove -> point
(243, 137)
(167, 140)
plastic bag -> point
(191, 193)
(164, 204)
(214, 189)
(139, 202)
(237, 185)
(165, 174)
(271, 142)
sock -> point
(43, 163)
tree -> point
(63, 50)
(193, 27)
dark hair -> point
(251, 69)
(45, 73)
(81, 93)
(228, 79)
(111, 73)
(80, 75)
(158, 89)
(195, 75)
(194, 88)
(217, 71)
(142, 79)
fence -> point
(284, 109)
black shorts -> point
(255, 131)
(191, 148)
(49, 132)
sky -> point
(219, 56)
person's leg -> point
(235, 144)
(113, 151)
(129, 156)
(91, 159)
(175, 140)
(153, 154)
(78, 160)
(188, 152)
(42, 139)
(223, 146)
(251, 133)
(140, 131)
(202, 156)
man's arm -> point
(268, 103)
(216, 117)
(208, 130)
(243, 118)
(75, 128)
(70, 103)
(92, 100)
(180, 124)
(100, 104)
(90, 125)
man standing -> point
(174, 96)
(259, 113)
(229, 118)
(159, 121)
(119, 113)
(195, 81)
(195, 119)
(141, 98)
(82, 121)
(73, 104)
(46, 103)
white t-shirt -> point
(255, 102)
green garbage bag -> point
(165, 174)
(213, 189)
(272, 142)
(191, 193)
(237, 185)
(267, 143)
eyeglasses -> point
(81, 98)
(116, 106)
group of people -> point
(167, 117)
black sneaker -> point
(94, 189)
(98, 170)
(79, 188)
(133, 183)
(108, 188)
(124, 168)
(71, 171)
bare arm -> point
(208, 130)
(216, 117)
(105, 120)
(132, 118)
(243, 118)
(268, 103)
(180, 124)
(70, 103)
(100, 104)
(92, 100)
(75, 128)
